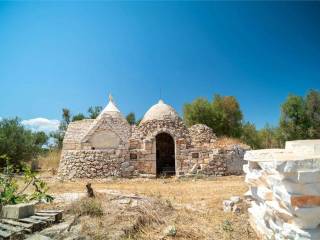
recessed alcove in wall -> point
(105, 139)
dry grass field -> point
(49, 160)
(192, 206)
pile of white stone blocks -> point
(284, 191)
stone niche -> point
(104, 139)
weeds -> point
(87, 207)
(227, 228)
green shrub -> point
(18, 143)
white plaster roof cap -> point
(111, 108)
(160, 111)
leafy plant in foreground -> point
(9, 189)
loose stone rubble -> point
(284, 189)
(108, 146)
(231, 205)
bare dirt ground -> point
(155, 208)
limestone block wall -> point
(95, 164)
(209, 160)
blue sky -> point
(73, 54)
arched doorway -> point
(165, 155)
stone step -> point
(15, 229)
(18, 224)
(37, 224)
(48, 220)
(56, 215)
(12, 228)
(5, 234)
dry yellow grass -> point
(197, 205)
(223, 142)
(49, 160)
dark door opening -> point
(165, 155)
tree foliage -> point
(19, 143)
(227, 116)
(131, 118)
(199, 111)
(313, 113)
(94, 111)
(223, 114)
(78, 117)
(271, 137)
(294, 122)
(300, 117)
(250, 135)
(59, 134)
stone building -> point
(160, 145)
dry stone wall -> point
(201, 133)
(95, 164)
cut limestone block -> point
(291, 231)
(284, 191)
(311, 176)
(17, 211)
(312, 189)
(304, 146)
(260, 193)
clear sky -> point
(73, 54)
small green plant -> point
(227, 228)
(9, 189)
(40, 193)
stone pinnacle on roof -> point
(110, 98)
